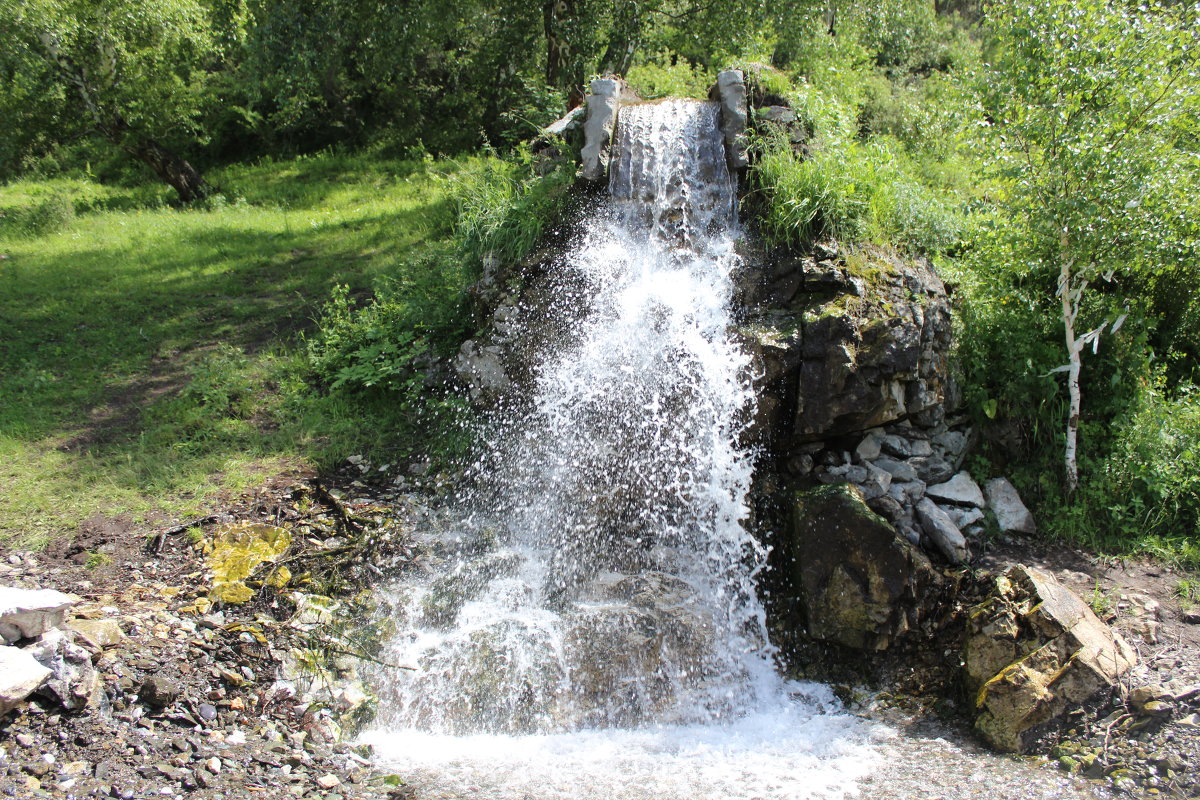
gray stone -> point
(1035, 651)
(20, 676)
(602, 103)
(920, 447)
(98, 633)
(899, 470)
(907, 492)
(1011, 514)
(28, 613)
(780, 115)
(932, 469)
(731, 91)
(481, 369)
(896, 446)
(953, 444)
(870, 447)
(942, 531)
(876, 483)
(572, 120)
(960, 490)
(963, 517)
(73, 682)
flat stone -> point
(101, 633)
(960, 490)
(329, 781)
(1011, 514)
(28, 613)
(780, 115)
(943, 532)
(899, 470)
(20, 676)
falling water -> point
(591, 619)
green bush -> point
(48, 215)
(658, 77)
(504, 205)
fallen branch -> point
(160, 538)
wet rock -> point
(942, 532)
(1011, 514)
(603, 100)
(28, 613)
(731, 94)
(861, 584)
(20, 676)
(959, 490)
(1033, 652)
(481, 369)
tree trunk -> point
(1068, 295)
(171, 168)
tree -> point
(130, 71)
(1083, 97)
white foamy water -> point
(587, 625)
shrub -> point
(39, 218)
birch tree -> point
(1082, 98)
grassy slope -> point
(149, 357)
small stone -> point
(329, 781)
(870, 447)
(24, 739)
(207, 711)
(159, 691)
(213, 765)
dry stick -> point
(339, 508)
(161, 538)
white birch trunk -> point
(1070, 297)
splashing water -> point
(592, 628)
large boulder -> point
(603, 100)
(1033, 652)
(860, 583)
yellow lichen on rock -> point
(235, 551)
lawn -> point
(152, 358)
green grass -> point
(151, 357)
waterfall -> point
(591, 605)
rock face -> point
(1032, 652)
(602, 103)
(28, 613)
(860, 584)
(20, 676)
